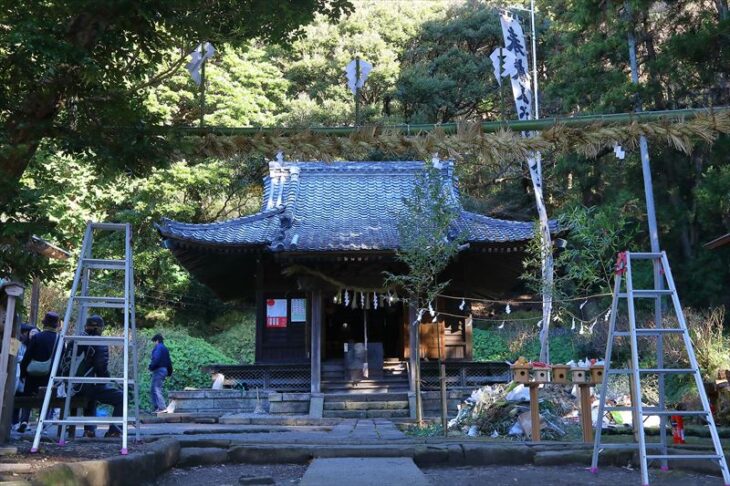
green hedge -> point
(493, 345)
(188, 354)
(237, 340)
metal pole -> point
(536, 111)
(202, 85)
(357, 91)
(653, 238)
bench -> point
(34, 402)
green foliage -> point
(428, 239)
(499, 345)
(86, 64)
(595, 236)
(489, 346)
(234, 334)
(188, 354)
(446, 70)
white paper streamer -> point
(197, 57)
(350, 70)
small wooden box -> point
(561, 374)
(521, 374)
(540, 374)
(580, 375)
(597, 374)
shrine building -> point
(313, 260)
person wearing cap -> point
(161, 368)
(40, 350)
(96, 362)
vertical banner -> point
(514, 63)
(276, 313)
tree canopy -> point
(74, 68)
(83, 82)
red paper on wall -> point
(276, 313)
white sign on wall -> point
(299, 310)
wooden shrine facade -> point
(314, 259)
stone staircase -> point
(393, 379)
(366, 405)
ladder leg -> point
(658, 323)
(59, 348)
(698, 378)
(604, 384)
(135, 354)
(128, 289)
(636, 385)
(69, 393)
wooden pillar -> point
(316, 340)
(260, 311)
(35, 297)
(8, 360)
(534, 413)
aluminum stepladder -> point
(634, 372)
(82, 299)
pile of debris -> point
(504, 411)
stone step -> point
(385, 379)
(366, 389)
(366, 397)
(347, 405)
(398, 413)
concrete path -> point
(364, 471)
(364, 430)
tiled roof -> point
(342, 206)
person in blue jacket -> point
(161, 368)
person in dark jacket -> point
(40, 348)
(96, 362)
(161, 368)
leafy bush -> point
(239, 340)
(489, 346)
(497, 345)
(189, 354)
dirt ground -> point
(76, 450)
(228, 475)
(559, 475)
(289, 474)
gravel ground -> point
(228, 475)
(559, 475)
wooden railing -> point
(464, 374)
(270, 377)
